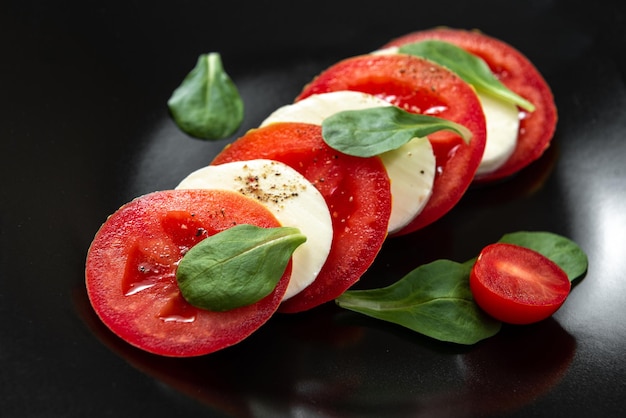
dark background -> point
(84, 128)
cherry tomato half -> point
(517, 285)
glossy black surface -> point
(84, 128)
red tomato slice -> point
(517, 285)
(131, 266)
(356, 190)
(419, 86)
(516, 72)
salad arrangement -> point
(291, 214)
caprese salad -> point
(291, 214)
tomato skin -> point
(419, 86)
(131, 264)
(517, 285)
(356, 190)
(519, 74)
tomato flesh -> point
(131, 272)
(518, 73)
(419, 86)
(356, 190)
(517, 285)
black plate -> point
(84, 128)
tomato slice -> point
(131, 267)
(518, 73)
(357, 192)
(517, 285)
(419, 86)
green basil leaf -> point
(434, 300)
(373, 131)
(207, 104)
(469, 67)
(563, 251)
(236, 267)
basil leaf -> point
(236, 267)
(207, 104)
(468, 66)
(563, 251)
(373, 131)
(434, 300)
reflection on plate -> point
(312, 364)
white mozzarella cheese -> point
(387, 51)
(411, 168)
(502, 120)
(292, 199)
(315, 108)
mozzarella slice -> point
(291, 198)
(390, 50)
(314, 109)
(502, 130)
(411, 168)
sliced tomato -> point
(356, 190)
(517, 285)
(131, 267)
(419, 86)
(519, 74)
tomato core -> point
(185, 228)
(147, 265)
(152, 262)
